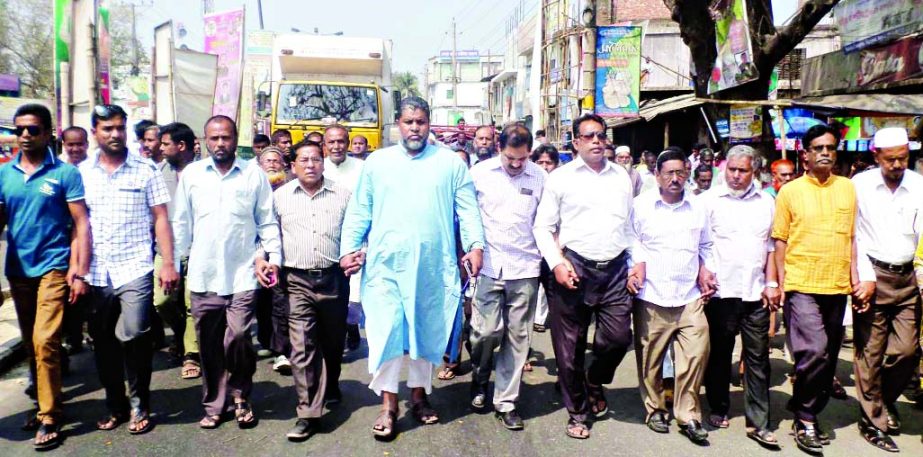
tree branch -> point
(774, 47)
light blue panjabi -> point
(405, 208)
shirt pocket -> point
(843, 219)
(131, 194)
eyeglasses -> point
(601, 136)
(34, 130)
(823, 147)
(108, 111)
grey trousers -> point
(228, 360)
(501, 317)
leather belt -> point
(595, 264)
(315, 273)
(900, 269)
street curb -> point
(11, 352)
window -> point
(350, 105)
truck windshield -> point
(350, 105)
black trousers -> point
(272, 319)
(727, 317)
(601, 293)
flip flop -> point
(423, 412)
(241, 411)
(110, 422)
(575, 429)
(447, 373)
(210, 422)
(383, 428)
(191, 369)
(45, 430)
(719, 421)
(137, 418)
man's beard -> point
(172, 160)
(414, 145)
(485, 152)
(276, 178)
(738, 193)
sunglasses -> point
(34, 130)
(108, 111)
(601, 136)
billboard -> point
(618, 71)
(746, 123)
(864, 23)
(734, 64)
(224, 36)
(63, 27)
(104, 50)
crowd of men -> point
(451, 257)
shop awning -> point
(908, 104)
(505, 74)
(656, 108)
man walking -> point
(508, 189)
(344, 169)
(126, 196)
(587, 202)
(815, 258)
(223, 219)
(310, 210)
(405, 207)
(41, 198)
(672, 279)
(783, 171)
(890, 205)
(74, 144)
(176, 144)
(739, 216)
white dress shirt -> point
(508, 205)
(346, 173)
(590, 211)
(888, 224)
(672, 241)
(740, 228)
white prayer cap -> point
(623, 149)
(890, 137)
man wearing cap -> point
(888, 225)
(623, 158)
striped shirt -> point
(508, 205)
(311, 224)
(672, 241)
(119, 206)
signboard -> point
(224, 38)
(462, 55)
(9, 83)
(618, 71)
(746, 123)
(895, 62)
(257, 69)
(104, 50)
(734, 64)
(864, 23)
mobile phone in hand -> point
(467, 265)
(272, 278)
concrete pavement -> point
(345, 429)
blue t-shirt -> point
(38, 219)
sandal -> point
(383, 428)
(243, 413)
(44, 431)
(447, 372)
(110, 422)
(423, 412)
(718, 421)
(838, 391)
(134, 424)
(764, 437)
(596, 396)
(210, 422)
(876, 437)
(527, 367)
(577, 430)
(31, 424)
(191, 369)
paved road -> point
(461, 433)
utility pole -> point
(454, 69)
(259, 8)
(135, 62)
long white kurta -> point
(405, 208)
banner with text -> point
(618, 71)
(746, 123)
(104, 47)
(734, 64)
(864, 23)
(224, 34)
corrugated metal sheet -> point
(651, 110)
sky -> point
(419, 29)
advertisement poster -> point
(256, 76)
(104, 47)
(224, 38)
(890, 63)
(618, 71)
(734, 64)
(746, 123)
(63, 24)
(864, 23)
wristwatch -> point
(81, 278)
(772, 284)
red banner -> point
(895, 62)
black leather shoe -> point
(301, 431)
(658, 422)
(510, 420)
(806, 438)
(694, 431)
(894, 420)
(875, 436)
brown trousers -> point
(656, 328)
(40, 306)
(887, 350)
